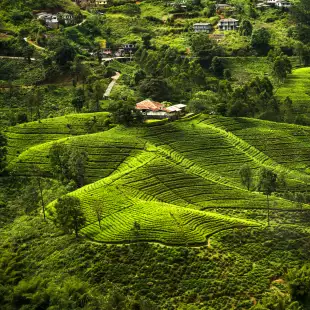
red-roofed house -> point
(152, 109)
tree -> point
(77, 165)
(59, 155)
(246, 28)
(125, 114)
(217, 66)
(246, 176)
(79, 100)
(28, 51)
(68, 163)
(64, 53)
(299, 283)
(260, 40)
(146, 39)
(281, 67)
(98, 209)
(204, 47)
(98, 89)
(155, 88)
(267, 184)
(203, 102)
(301, 14)
(69, 214)
(3, 151)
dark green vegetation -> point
(101, 210)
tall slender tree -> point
(267, 184)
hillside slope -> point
(165, 178)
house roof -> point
(228, 20)
(202, 24)
(150, 105)
(173, 109)
(180, 105)
(176, 107)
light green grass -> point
(26, 135)
(167, 177)
(297, 87)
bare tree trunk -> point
(268, 208)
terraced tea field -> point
(286, 144)
(23, 136)
(165, 178)
(297, 87)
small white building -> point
(228, 24)
(50, 20)
(283, 4)
(202, 27)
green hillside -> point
(296, 87)
(154, 155)
(170, 175)
(24, 136)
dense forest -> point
(155, 154)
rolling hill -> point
(169, 178)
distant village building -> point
(101, 2)
(126, 49)
(202, 27)
(50, 20)
(228, 24)
(156, 110)
(66, 18)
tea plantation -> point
(164, 178)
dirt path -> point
(34, 44)
(111, 85)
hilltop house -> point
(202, 27)
(156, 110)
(152, 109)
(228, 24)
(50, 20)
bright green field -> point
(170, 178)
(26, 135)
(297, 87)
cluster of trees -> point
(268, 182)
(166, 75)
(68, 163)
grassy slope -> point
(166, 177)
(244, 69)
(297, 88)
(24, 136)
(286, 144)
